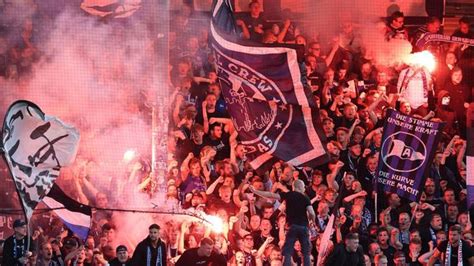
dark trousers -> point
(300, 233)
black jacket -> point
(140, 255)
(115, 262)
(8, 258)
(341, 257)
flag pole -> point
(469, 154)
(376, 199)
(8, 162)
(376, 207)
(414, 213)
(28, 238)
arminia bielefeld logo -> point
(400, 157)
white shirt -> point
(414, 85)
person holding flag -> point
(35, 146)
(298, 211)
(15, 249)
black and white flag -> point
(111, 8)
(35, 147)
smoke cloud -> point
(98, 77)
(324, 19)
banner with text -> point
(430, 37)
(408, 147)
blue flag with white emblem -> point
(265, 96)
(407, 151)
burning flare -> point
(422, 59)
(216, 223)
(129, 155)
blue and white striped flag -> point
(76, 216)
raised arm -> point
(351, 197)
(262, 248)
(185, 166)
(447, 151)
(81, 196)
(227, 122)
(284, 30)
(311, 214)
(204, 116)
(434, 257)
(213, 186)
(336, 101)
(281, 232)
(239, 224)
(243, 27)
(184, 228)
(326, 94)
(331, 177)
(424, 258)
(430, 115)
(333, 51)
(339, 221)
(201, 80)
(233, 157)
(460, 157)
(265, 194)
(90, 189)
(179, 101)
(371, 134)
(394, 239)
(351, 130)
(205, 169)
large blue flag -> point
(407, 151)
(266, 97)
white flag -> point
(36, 146)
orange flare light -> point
(216, 223)
(129, 155)
(422, 59)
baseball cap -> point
(120, 248)
(18, 223)
(71, 242)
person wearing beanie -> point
(122, 258)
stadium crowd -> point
(278, 217)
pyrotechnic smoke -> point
(14, 14)
(98, 77)
(327, 16)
